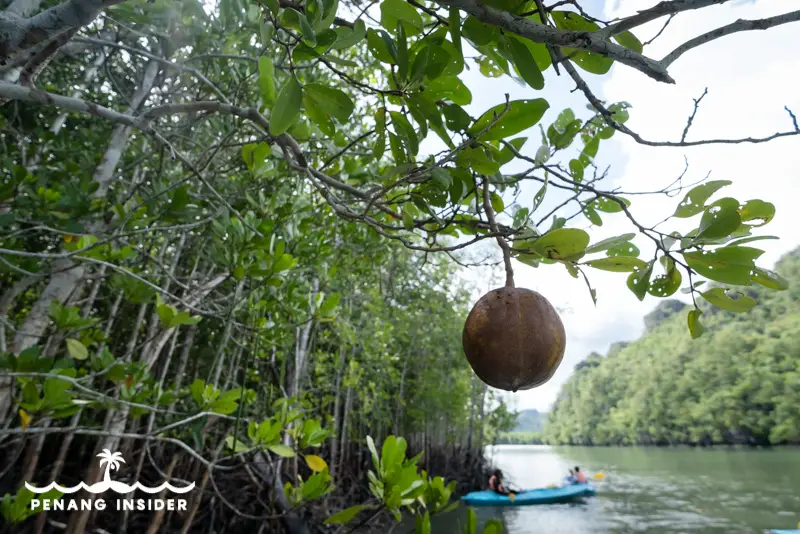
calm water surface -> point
(650, 490)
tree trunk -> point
(67, 274)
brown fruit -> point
(514, 339)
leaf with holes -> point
(721, 298)
(610, 242)
(665, 285)
(695, 200)
(729, 265)
(611, 205)
(769, 279)
(626, 249)
(759, 211)
(639, 281)
(559, 244)
(520, 115)
(618, 264)
(720, 219)
(394, 11)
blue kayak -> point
(529, 497)
(790, 531)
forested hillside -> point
(530, 421)
(739, 383)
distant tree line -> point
(738, 384)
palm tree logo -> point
(112, 462)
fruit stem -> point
(487, 205)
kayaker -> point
(580, 478)
(496, 483)
(571, 477)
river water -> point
(658, 490)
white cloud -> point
(750, 77)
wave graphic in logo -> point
(112, 462)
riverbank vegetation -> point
(230, 245)
(738, 384)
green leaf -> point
(729, 265)
(539, 196)
(381, 46)
(347, 37)
(618, 264)
(282, 450)
(334, 102)
(520, 115)
(307, 31)
(695, 200)
(611, 205)
(559, 244)
(525, 64)
(348, 514)
(720, 219)
(720, 297)
(590, 213)
(77, 349)
(639, 281)
(447, 88)
(472, 521)
(695, 328)
(267, 32)
(287, 107)
(610, 242)
(329, 304)
(628, 40)
(393, 11)
(665, 285)
(454, 23)
(374, 452)
(402, 53)
(769, 279)
(408, 220)
(266, 80)
(479, 33)
(493, 526)
(757, 210)
(405, 131)
(196, 389)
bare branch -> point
(608, 117)
(740, 25)
(656, 12)
(694, 112)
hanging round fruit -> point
(513, 337)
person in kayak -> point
(580, 478)
(496, 485)
(571, 477)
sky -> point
(750, 77)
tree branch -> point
(656, 12)
(20, 34)
(741, 25)
(539, 33)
